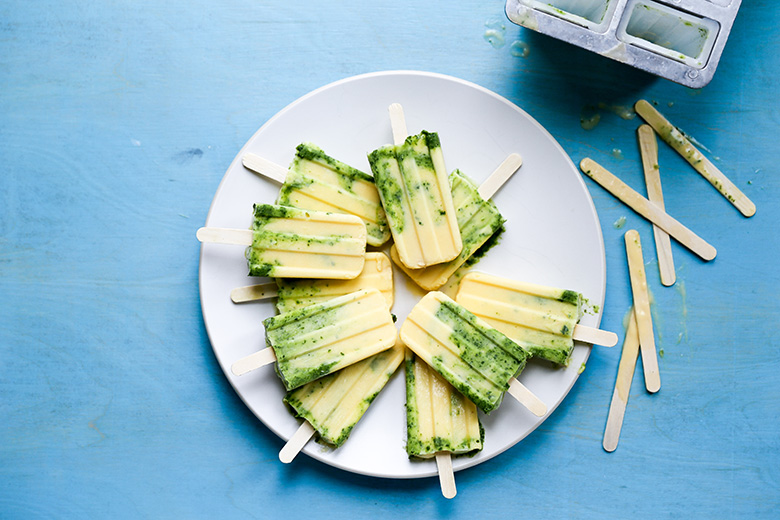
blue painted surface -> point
(117, 121)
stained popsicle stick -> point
(500, 175)
(636, 270)
(674, 138)
(240, 237)
(264, 167)
(647, 209)
(527, 398)
(594, 336)
(296, 443)
(250, 293)
(446, 474)
(648, 148)
(617, 408)
(254, 361)
(398, 123)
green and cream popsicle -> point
(296, 243)
(314, 341)
(543, 320)
(478, 360)
(478, 220)
(438, 417)
(294, 293)
(440, 422)
(317, 181)
(332, 405)
(414, 188)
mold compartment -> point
(592, 14)
(667, 31)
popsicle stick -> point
(647, 209)
(520, 392)
(253, 361)
(636, 270)
(398, 123)
(446, 474)
(586, 334)
(674, 138)
(648, 148)
(240, 237)
(250, 293)
(264, 167)
(500, 175)
(296, 443)
(617, 408)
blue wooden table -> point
(117, 122)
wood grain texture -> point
(117, 122)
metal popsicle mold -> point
(680, 40)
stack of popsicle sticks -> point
(639, 338)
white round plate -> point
(552, 237)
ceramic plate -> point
(552, 237)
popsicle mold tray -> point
(681, 40)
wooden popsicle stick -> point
(446, 474)
(647, 209)
(251, 293)
(674, 138)
(264, 167)
(520, 392)
(253, 361)
(240, 237)
(296, 443)
(398, 123)
(648, 149)
(500, 175)
(636, 270)
(617, 408)
(594, 336)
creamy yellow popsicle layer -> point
(317, 340)
(478, 220)
(295, 243)
(317, 181)
(478, 360)
(438, 417)
(335, 403)
(414, 188)
(296, 293)
(540, 319)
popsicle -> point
(332, 405)
(542, 320)
(314, 341)
(317, 181)
(440, 422)
(478, 360)
(292, 294)
(295, 243)
(414, 188)
(478, 220)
